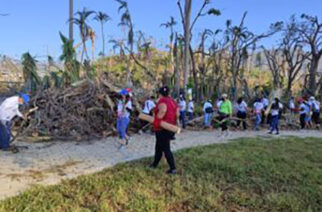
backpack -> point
(209, 110)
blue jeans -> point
(258, 121)
(5, 133)
(183, 118)
(207, 119)
(274, 123)
(190, 114)
(121, 126)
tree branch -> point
(205, 3)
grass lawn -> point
(244, 175)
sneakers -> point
(171, 171)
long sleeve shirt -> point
(9, 109)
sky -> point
(34, 25)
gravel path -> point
(49, 163)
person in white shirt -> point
(303, 108)
(291, 104)
(258, 109)
(8, 110)
(315, 111)
(191, 108)
(149, 105)
(182, 108)
(124, 109)
(208, 111)
(241, 112)
(148, 108)
(276, 108)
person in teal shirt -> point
(225, 111)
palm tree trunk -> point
(103, 39)
(187, 42)
(93, 49)
(71, 29)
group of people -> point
(263, 112)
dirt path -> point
(49, 163)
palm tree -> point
(84, 28)
(29, 69)
(126, 21)
(91, 36)
(69, 57)
(102, 18)
(170, 24)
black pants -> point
(223, 125)
(263, 116)
(242, 115)
(302, 120)
(163, 146)
(316, 117)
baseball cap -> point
(124, 92)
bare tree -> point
(293, 54)
(240, 41)
(187, 29)
(275, 63)
(311, 34)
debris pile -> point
(83, 111)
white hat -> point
(224, 95)
(312, 98)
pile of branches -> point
(83, 111)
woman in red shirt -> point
(166, 110)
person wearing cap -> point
(315, 105)
(8, 110)
(166, 110)
(124, 108)
(225, 111)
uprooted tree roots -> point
(83, 111)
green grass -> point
(244, 175)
